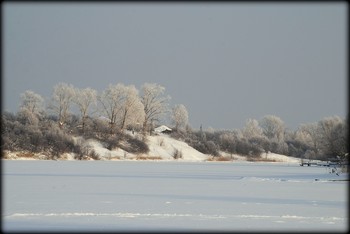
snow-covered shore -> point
(162, 147)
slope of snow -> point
(164, 146)
(105, 153)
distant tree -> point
(111, 100)
(252, 129)
(84, 99)
(61, 101)
(333, 136)
(180, 117)
(273, 128)
(228, 142)
(155, 104)
(32, 102)
(122, 105)
(309, 134)
(132, 110)
(31, 107)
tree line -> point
(326, 139)
(41, 125)
(120, 104)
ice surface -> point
(171, 196)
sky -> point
(226, 62)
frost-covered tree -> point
(84, 99)
(155, 104)
(61, 101)
(252, 129)
(122, 105)
(255, 136)
(333, 136)
(32, 101)
(111, 100)
(228, 142)
(273, 128)
(132, 111)
(309, 134)
(180, 117)
(31, 107)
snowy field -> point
(171, 196)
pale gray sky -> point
(226, 62)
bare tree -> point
(61, 101)
(32, 106)
(132, 111)
(84, 99)
(155, 104)
(252, 129)
(309, 134)
(180, 116)
(333, 136)
(111, 100)
(32, 102)
(273, 128)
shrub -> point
(177, 154)
(212, 148)
(137, 146)
(94, 155)
(112, 142)
(148, 158)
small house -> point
(162, 129)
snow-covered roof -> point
(162, 128)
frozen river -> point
(171, 196)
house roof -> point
(162, 128)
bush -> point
(177, 154)
(136, 146)
(207, 147)
(212, 148)
(112, 142)
(94, 155)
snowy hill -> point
(162, 147)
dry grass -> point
(260, 159)
(219, 159)
(114, 158)
(148, 158)
(25, 155)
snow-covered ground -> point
(44, 195)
